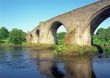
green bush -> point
(17, 36)
(102, 37)
(60, 36)
(76, 49)
(4, 33)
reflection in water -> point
(48, 67)
(50, 70)
(75, 67)
(101, 67)
(29, 63)
(78, 68)
(56, 72)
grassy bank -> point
(75, 50)
(39, 46)
(58, 49)
(30, 45)
(62, 50)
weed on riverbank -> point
(75, 50)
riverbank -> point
(76, 50)
(30, 45)
(62, 50)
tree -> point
(108, 33)
(17, 36)
(102, 36)
(61, 36)
(4, 33)
(101, 33)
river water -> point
(30, 63)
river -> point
(19, 62)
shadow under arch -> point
(53, 30)
(97, 19)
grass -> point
(29, 45)
(38, 46)
(58, 49)
(107, 49)
(75, 50)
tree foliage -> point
(4, 33)
(102, 37)
(60, 36)
(17, 36)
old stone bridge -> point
(80, 25)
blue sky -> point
(27, 14)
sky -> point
(27, 14)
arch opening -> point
(99, 21)
(99, 18)
(58, 31)
(31, 36)
(38, 32)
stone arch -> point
(31, 35)
(94, 21)
(98, 18)
(80, 24)
(38, 32)
(53, 31)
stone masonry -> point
(80, 25)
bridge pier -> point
(78, 38)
